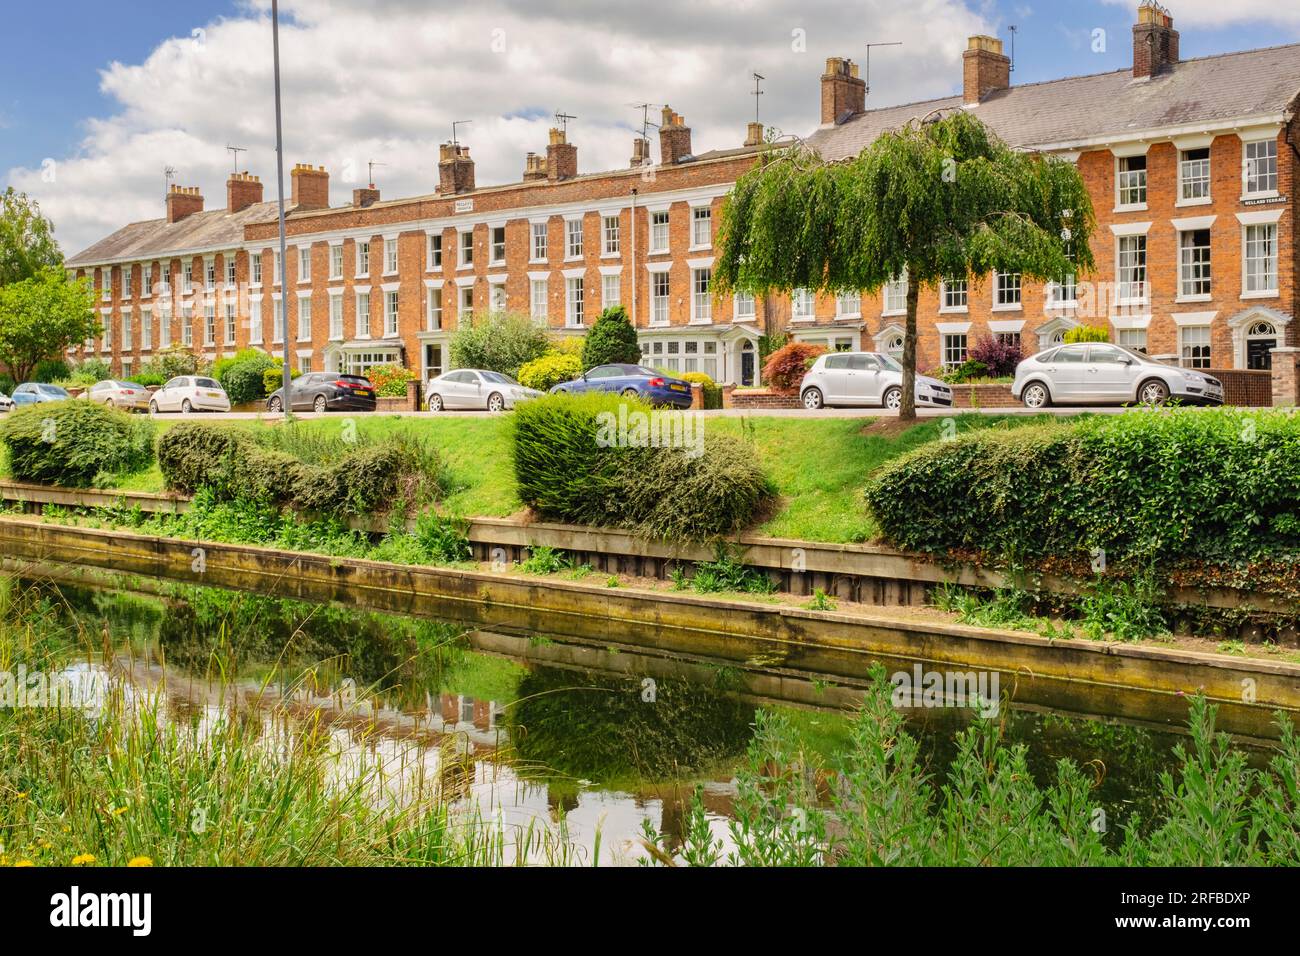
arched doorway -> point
(748, 364)
(1261, 339)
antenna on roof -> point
(1013, 28)
(234, 151)
(645, 109)
(867, 64)
(170, 173)
(563, 120)
(454, 124)
(370, 172)
(758, 79)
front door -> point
(1259, 353)
(747, 364)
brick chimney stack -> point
(984, 69)
(1155, 41)
(844, 93)
(365, 196)
(561, 157)
(754, 134)
(640, 152)
(534, 168)
(242, 191)
(674, 138)
(455, 169)
(310, 187)
(183, 201)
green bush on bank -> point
(567, 469)
(75, 443)
(1222, 485)
(340, 479)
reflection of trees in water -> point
(212, 633)
(591, 725)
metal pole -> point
(279, 169)
(636, 273)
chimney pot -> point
(844, 93)
(242, 191)
(310, 187)
(561, 157)
(534, 168)
(754, 134)
(674, 138)
(1155, 41)
(366, 196)
(984, 69)
(455, 169)
(183, 201)
(640, 152)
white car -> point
(475, 388)
(124, 395)
(6, 403)
(190, 393)
(865, 378)
(1098, 373)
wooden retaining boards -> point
(867, 573)
(1125, 681)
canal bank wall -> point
(1145, 683)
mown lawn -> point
(820, 466)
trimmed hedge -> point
(564, 473)
(1221, 485)
(368, 479)
(75, 443)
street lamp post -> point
(283, 307)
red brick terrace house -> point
(1191, 165)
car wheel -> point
(1153, 392)
(186, 407)
(1036, 395)
(153, 407)
(812, 399)
(496, 403)
(318, 405)
(274, 404)
(893, 399)
(435, 403)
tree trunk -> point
(907, 410)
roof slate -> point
(211, 229)
(1205, 90)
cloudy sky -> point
(96, 101)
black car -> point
(326, 391)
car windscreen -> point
(52, 390)
(498, 378)
(889, 362)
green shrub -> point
(177, 360)
(242, 375)
(89, 372)
(74, 443)
(147, 377)
(1141, 487)
(499, 342)
(7, 383)
(229, 461)
(712, 391)
(563, 472)
(550, 370)
(51, 370)
(612, 339)
(390, 380)
(1086, 333)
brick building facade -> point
(1191, 167)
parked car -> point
(475, 388)
(190, 393)
(1098, 373)
(125, 395)
(631, 380)
(865, 378)
(33, 393)
(326, 391)
(6, 403)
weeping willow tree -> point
(939, 198)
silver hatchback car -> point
(1098, 373)
(865, 378)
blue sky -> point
(52, 105)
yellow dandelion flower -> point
(24, 863)
(140, 861)
(119, 811)
(23, 795)
(83, 859)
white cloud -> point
(384, 80)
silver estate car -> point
(1098, 373)
(865, 378)
(475, 388)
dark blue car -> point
(631, 380)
